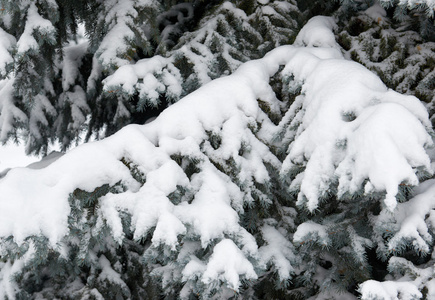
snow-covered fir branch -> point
(282, 178)
(277, 153)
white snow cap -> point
(372, 290)
(317, 33)
(34, 22)
(353, 128)
(227, 263)
(376, 12)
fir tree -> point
(285, 172)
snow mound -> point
(372, 290)
(353, 129)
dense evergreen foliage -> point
(237, 198)
(59, 85)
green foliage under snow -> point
(290, 173)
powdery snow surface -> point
(345, 113)
(12, 155)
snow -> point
(210, 214)
(79, 107)
(316, 232)
(376, 12)
(411, 217)
(119, 14)
(413, 220)
(8, 287)
(46, 161)
(329, 95)
(398, 158)
(118, 18)
(46, 186)
(34, 22)
(227, 263)
(372, 290)
(141, 77)
(195, 268)
(168, 228)
(72, 58)
(108, 273)
(7, 41)
(317, 33)
(13, 155)
(9, 113)
(278, 251)
(385, 143)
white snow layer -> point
(119, 17)
(353, 128)
(376, 12)
(141, 77)
(378, 147)
(413, 220)
(9, 113)
(7, 42)
(34, 22)
(372, 290)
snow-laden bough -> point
(350, 133)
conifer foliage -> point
(57, 85)
(278, 168)
(394, 50)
